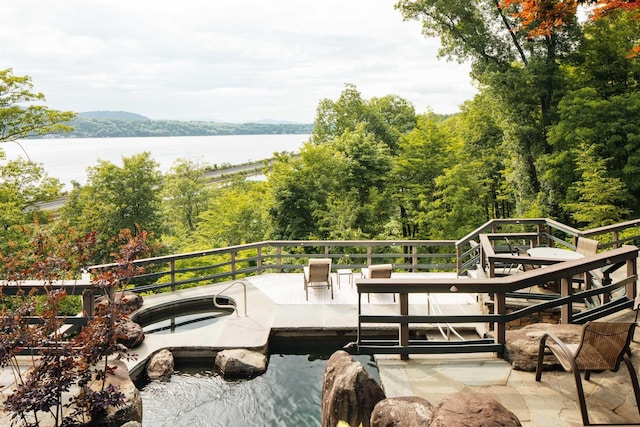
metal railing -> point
(543, 232)
(174, 272)
(612, 300)
(232, 306)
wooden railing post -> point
(404, 326)
(414, 258)
(279, 259)
(566, 310)
(259, 261)
(173, 274)
(88, 304)
(233, 265)
(632, 271)
(500, 307)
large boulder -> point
(129, 301)
(409, 411)
(472, 410)
(160, 366)
(521, 347)
(349, 393)
(132, 408)
(241, 363)
(130, 334)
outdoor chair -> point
(317, 275)
(378, 271)
(603, 346)
(587, 247)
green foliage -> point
(601, 199)
(117, 198)
(236, 213)
(23, 186)
(185, 194)
(20, 114)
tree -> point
(237, 213)
(19, 117)
(23, 186)
(386, 118)
(300, 188)
(117, 198)
(600, 198)
(543, 18)
(422, 157)
(522, 73)
(185, 194)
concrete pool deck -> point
(277, 302)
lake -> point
(68, 158)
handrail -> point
(432, 303)
(500, 287)
(229, 263)
(231, 306)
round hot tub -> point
(181, 315)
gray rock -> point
(132, 408)
(130, 334)
(521, 348)
(241, 363)
(409, 411)
(472, 410)
(129, 301)
(349, 393)
(160, 366)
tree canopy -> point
(21, 112)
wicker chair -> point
(317, 274)
(602, 347)
(587, 247)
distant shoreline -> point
(85, 127)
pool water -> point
(288, 394)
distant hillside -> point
(112, 115)
(112, 124)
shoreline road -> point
(254, 168)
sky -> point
(224, 60)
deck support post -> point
(404, 326)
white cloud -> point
(236, 61)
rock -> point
(521, 347)
(130, 334)
(132, 424)
(241, 363)
(129, 301)
(410, 411)
(349, 393)
(160, 366)
(472, 410)
(132, 408)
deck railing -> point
(615, 295)
(231, 263)
(543, 232)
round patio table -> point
(557, 253)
